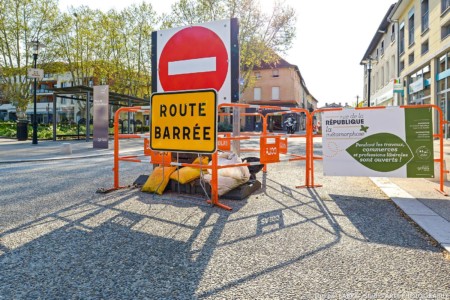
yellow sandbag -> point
(158, 180)
(187, 174)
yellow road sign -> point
(184, 121)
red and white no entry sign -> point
(197, 57)
(194, 58)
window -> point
(424, 10)
(388, 72)
(382, 48)
(275, 93)
(402, 65)
(445, 30)
(275, 73)
(411, 58)
(445, 4)
(411, 27)
(393, 32)
(424, 48)
(257, 93)
(382, 77)
(393, 71)
(258, 75)
(442, 66)
(402, 38)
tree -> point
(21, 22)
(261, 35)
(109, 48)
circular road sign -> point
(194, 58)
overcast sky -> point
(332, 37)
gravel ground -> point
(345, 240)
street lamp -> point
(35, 46)
(368, 62)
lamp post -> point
(357, 98)
(368, 62)
(36, 46)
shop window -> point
(442, 61)
(425, 47)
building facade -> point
(380, 63)
(278, 84)
(421, 31)
(424, 51)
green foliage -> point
(22, 21)
(8, 129)
(120, 53)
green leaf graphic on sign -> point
(382, 152)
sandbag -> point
(239, 173)
(224, 184)
(158, 180)
(188, 174)
(229, 178)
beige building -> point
(279, 84)
(424, 51)
(410, 56)
(380, 60)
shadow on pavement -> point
(127, 244)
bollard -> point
(66, 148)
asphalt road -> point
(345, 240)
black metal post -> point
(35, 140)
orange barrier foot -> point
(308, 186)
(223, 206)
(442, 192)
(105, 191)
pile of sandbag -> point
(229, 178)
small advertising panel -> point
(391, 142)
(101, 105)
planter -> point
(22, 130)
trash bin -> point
(22, 130)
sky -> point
(332, 38)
